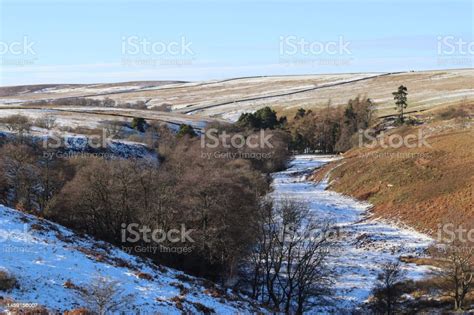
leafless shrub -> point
(113, 128)
(47, 121)
(104, 296)
(388, 289)
(17, 123)
(7, 281)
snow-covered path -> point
(365, 243)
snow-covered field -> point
(221, 98)
(364, 244)
(44, 257)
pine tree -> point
(139, 124)
(268, 118)
(400, 98)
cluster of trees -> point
(330, 130)
(266, 157)
(186, 130)
(264, 118)
(217, 198)
(28, 178)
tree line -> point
(328, 130)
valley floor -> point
(365, 243)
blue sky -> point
(111, 41)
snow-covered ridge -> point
(48, 260)
(75, 145)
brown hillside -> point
(422, 187)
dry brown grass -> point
(423, 187)
(463, 110)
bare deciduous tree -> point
(47, 121)
(104, 296)
(289, 266)
(113, 128)
(457, 270)
(388, 288)
(21, 176)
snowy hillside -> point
(51, 263)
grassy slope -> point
(422, 187)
